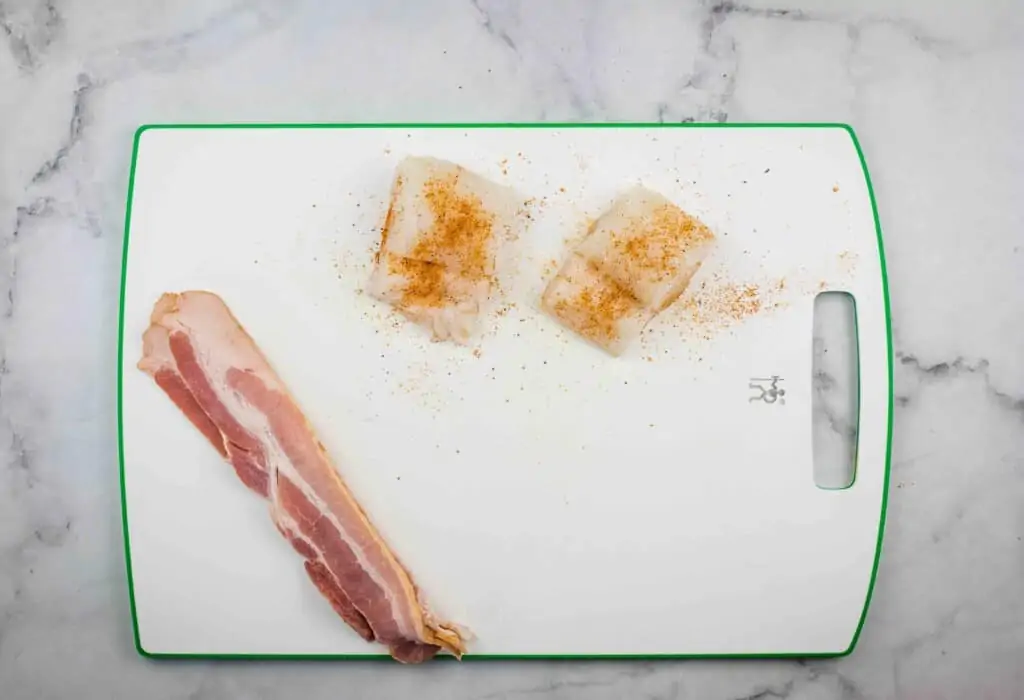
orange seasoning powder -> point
(654, 246)
(457, 246)
(598, 307)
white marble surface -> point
(933, 87)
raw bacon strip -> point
(240, 449)
(159, 363)
(199, 354)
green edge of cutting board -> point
(488, 125)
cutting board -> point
(551, 499)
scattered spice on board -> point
(718, 303)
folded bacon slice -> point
(207, 364)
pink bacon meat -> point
(212, 370)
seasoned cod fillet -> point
(594, 305)
(637, 258)
(436, 262)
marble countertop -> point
(932, 88)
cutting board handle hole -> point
(835, 390)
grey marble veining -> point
(933, 89)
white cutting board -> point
(552, 499)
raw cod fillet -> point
(436, 262)
(637, 258)
(207, 364)
(594, 305)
